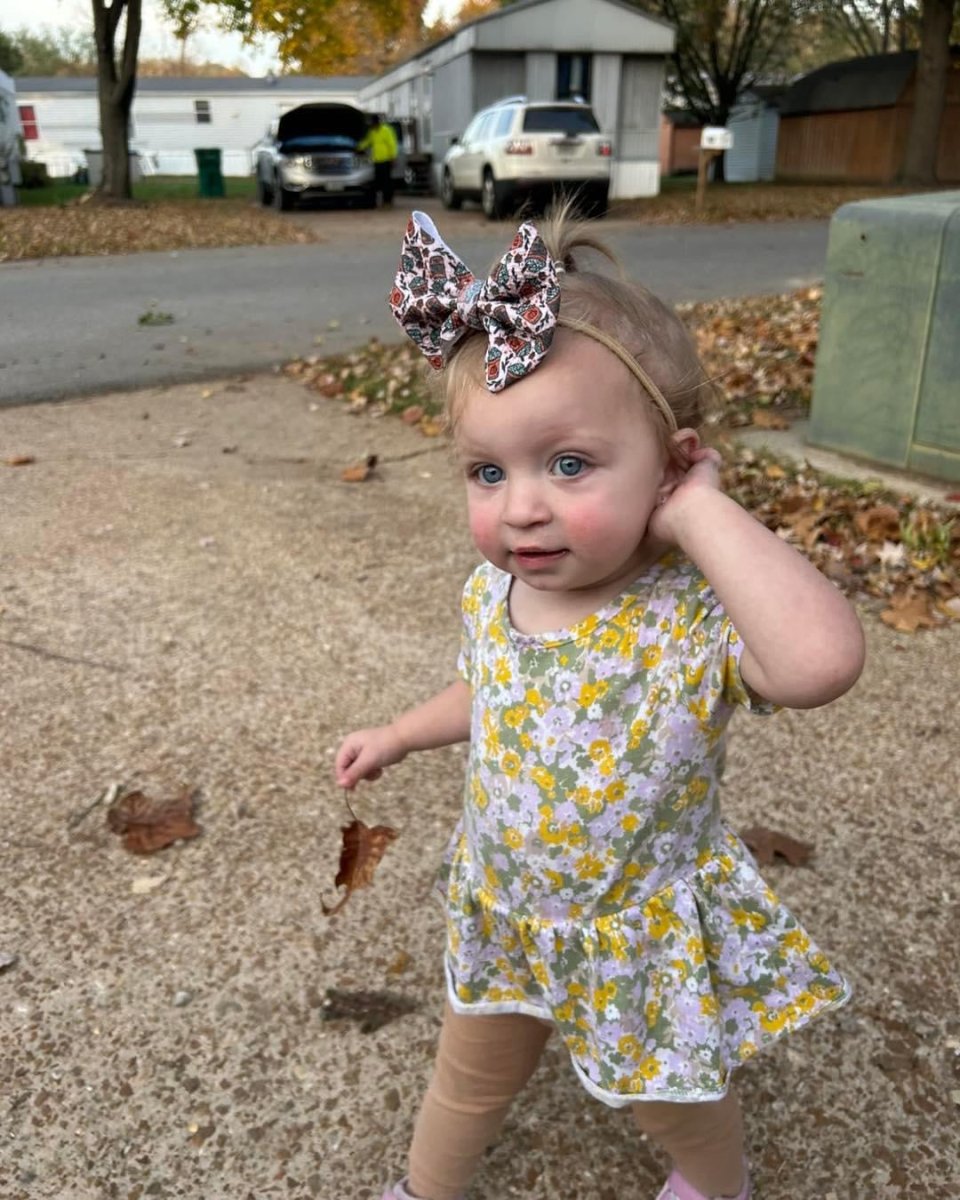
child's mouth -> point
(529, 556)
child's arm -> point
(439, 721)
(803, 645)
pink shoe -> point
(399, 1192)
(677, 1188)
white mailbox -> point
(716, 137)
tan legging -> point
(483, 1062)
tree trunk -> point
(933, 62)
(116, 83)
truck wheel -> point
(264, 194)
(449, 196)
(283, 200)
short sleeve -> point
(718, 649)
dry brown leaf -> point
(765, 418)
(772, 471)
(149, 825)
(413, 414)
(360, 471)
(909, 612)
(878, 524)
(20, 460)
(950, 607)
(360, 852)
(431, 428)
(765, 844)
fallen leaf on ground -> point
(7, 960)
(361, 850)
(763, 418)
(878, 524)
(360, 471)
(149, 825)
(773, 471)
(20, 460)
(950, 607)
(765, 844)
(412, 415)
(399, 964)
(372, 1010)
(909, 612)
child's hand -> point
(702, 475)
(364, 753)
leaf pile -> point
(149, 825)
(747, 202)
(760, 350)
(873, 543)
(121, 229)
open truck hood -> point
(322, 120)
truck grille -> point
(331, 164)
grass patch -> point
(152, 190)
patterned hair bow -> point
(436, 299)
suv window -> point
(560, 120)
(484, 128)
(503, 123)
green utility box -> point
(208, 170)
(887, 383)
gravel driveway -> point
(190, 597)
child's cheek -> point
(483, 528)
(591, 523)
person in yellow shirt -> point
(381, 142)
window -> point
(560, 120)
(573, 76)
(504, 122)
(202, 110)
(28, 119)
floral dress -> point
(591, 881)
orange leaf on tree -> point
(360, 853)
(149, 825)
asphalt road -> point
(70, 326)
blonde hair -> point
(651, 333)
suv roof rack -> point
(509, 100)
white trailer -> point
(9, 141)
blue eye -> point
(569, 465)
(489, 474)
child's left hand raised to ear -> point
(702, 474)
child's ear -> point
(683, 443)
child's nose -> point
(524, 503)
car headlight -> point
(298, 160)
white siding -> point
(165, 127)
(606, 91)
(754, 153)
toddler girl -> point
(624, 609)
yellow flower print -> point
(490, 875)
(664, 625)
(495, 631)
(629, 1046)
(557, 880)
(682, 968)
(629, 823)
(526, 741)
(638, 731)
(755, 920)
(652, 656)
(599, 749)
(698, 787)
(819, 962)
(795, 939)
(513, 838)
(539, 972)
(501, 672)
(746, 1050)
(648, 1069)
(651, 1013)
(536, 701)
(679, 631)
(592, 802)
(510, 764)
(608, 639)
(588, 866)
(575, 912)
(700, 708)
(576, 1045)
(576, 989)
(695, 954)
(709, 1006)
(565, 1011)
(515, 717)
(825, 991)
(628, 644)
(773, 1020)
(653, 697)
(583, 630)
(607, 765)
(614, 791)
(603, 995)
(478, 794)
(806, 1002)
(543, 779)
(693, 675)
(464, 993)
(590, 693)
(550, 832)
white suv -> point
(517, 150)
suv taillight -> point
(519, 146)
(604, 149)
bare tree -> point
(116, 83)
(933, 63)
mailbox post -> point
(714, 139)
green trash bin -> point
(209, 173)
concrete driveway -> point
(70, 325)
(190, 596)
